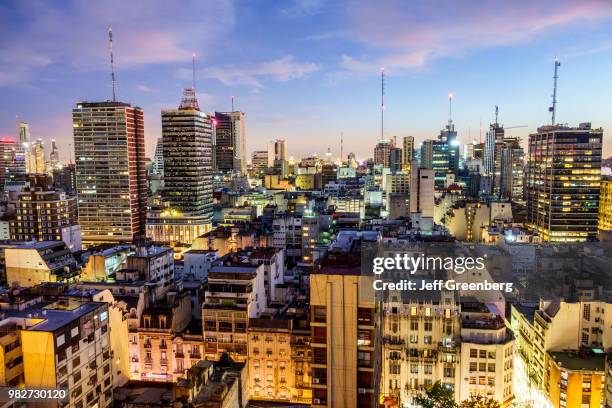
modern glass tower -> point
(563, 177)
(187, 157)
(110, 171)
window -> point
(414, 368)
(428, 326)
(473, 353)
(586, 313)
(427, 339)
(74, 332)
(482, 367)
(414, 325)
(473, 367)
(491, 368)
(483, 353)
(414, 339)
(428, 368)
(60, 340)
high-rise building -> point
(346, 326)
(445, 156)
(512, 170)
(22, 150)
(261, 160)
(64, 178)
(563, 177)
(278, 149)
(187, 193)
(605, 205)
(395, 159)
(407, 151)
(7, 158)
(382, 152)
(54, 160)
(422, 186)
(36, 163)
(427, 154)
(110, 171)
(494, 143)
(230, 137)
(43, 214)
(158, 159)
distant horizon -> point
(307, 70)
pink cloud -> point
(407, 35)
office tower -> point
(382, 152)
(512, 173)
(22, 150)
(422, 187)
(187, 193)
(395, 159)
(494, 143)
(64, 178)
(7, 158)
(261, 160)
(408, 151)
(426, 150)
(54, 161)
(563, 176)
(230, 137)
(43, 214)
(158, 158)
(605, 205)
(36, 161)
(445, 156)
(277, 149)
(345, 323)
(110, 171)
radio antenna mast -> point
(112, 60)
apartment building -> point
(66, 345)
(421, 343)
(345, 366)
(235, 293)
(576, 379)
(555, 326)
(487, 353)
(11, 355)
(278, 358)
(33, 263)
(167, 343)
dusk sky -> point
(306, 70)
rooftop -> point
(583, 360)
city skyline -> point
(320, 59)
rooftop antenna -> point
(553, 108)
(341, 145)
(193, 71)
(232, 104)
(496, 115)
(450, 111)
(382, 103)
(112, 60)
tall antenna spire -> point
(553, 108)
(193, 71)
(112, 60)
(450, 111)
(382, 103)
(496, 114)
(232, 104)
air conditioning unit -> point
(315, 380)
(362, 391)
(316, 401)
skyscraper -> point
(7, 158)
(36, 163)
(395, 159)
(230, 137)
(512, 170)
(427, 154)
(278, 149)
(494, 143)
(110, 171)
(563, 176)
(407, 151)
(187, 193)
(22, 149)
(158, 159)
(382, 152)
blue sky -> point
(305, 70)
